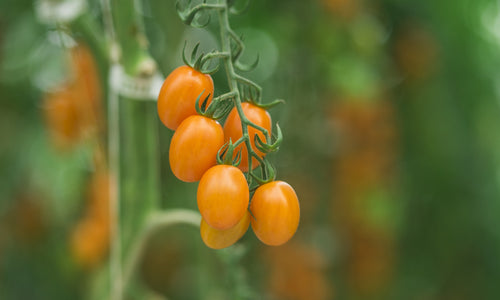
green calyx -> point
(268, 146)
(225, 155)
(217, 109)
(268, 173)
(202, 62)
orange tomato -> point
(99, 196)
(74, 110)
(233, 131)
(178, 95)
(86, 88)
(219, 239)
(194, 147)
(89, 243)
(276, 213)
(223, 196)
(62, 118)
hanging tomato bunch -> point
(232, 193)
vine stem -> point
(132, 137)
(115, 269)
(226, 34)
(114, 164)
(156, 221)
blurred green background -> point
(391, 141)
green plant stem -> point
(156, 221)
(225, 33)
(139, 169)
(129, 31)
(138, 145)
(86, 29)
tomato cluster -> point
(223, 194)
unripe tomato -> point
(194, 147)
(276, 212)
(178, 95)
(233, 131)
(223, 196)
(218, 239)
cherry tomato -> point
(178, 95)
(232, 130)
(98, 193)
(194, 147)
(218, 239)
(90, 243)
(276, 213)
(223, 196)
(86, 87)
(62, 117)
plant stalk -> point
(225, 33)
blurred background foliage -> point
(391, 125)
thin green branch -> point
(225, 96)
(156, 221)
(262, 129)
(187, 16)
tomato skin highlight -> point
(177, 98)
(276, 213)
(233, 131)
(219, 239)
(223, 196)
(194, 146)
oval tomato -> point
(233, 131)
(276, 213)
(194, 147)
(89, 243)
(62, 117)
(218, 239)
(223, 196)
(178, 95)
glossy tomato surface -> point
(194, 147)
(233, 131)
(178, 95)
(223, 196)
(219, 239)
(276, 213)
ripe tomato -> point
(194, 147)
(178, 95)
(98, 196)
(62, 117)
(218, 239)
(276, 212)
(86, 87)
(223, 196)
(233, 131)
(89, 243)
